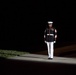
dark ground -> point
(15, 67)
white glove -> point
(45, 41)
(54, 41)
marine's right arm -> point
(45, 36)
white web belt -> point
(51, 34)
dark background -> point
(23, 23)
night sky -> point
(23, 23)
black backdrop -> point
(23, 23)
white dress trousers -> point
(50, 46)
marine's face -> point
(50, 25)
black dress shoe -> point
(50, 58)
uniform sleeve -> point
(55, 33)
(44, 34)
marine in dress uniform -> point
(50, 36)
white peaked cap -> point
(50, 22)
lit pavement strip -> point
(44, 58)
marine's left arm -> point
(55, 34)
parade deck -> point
(34, 64)
(44, 58)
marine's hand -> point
(54, 41)
(45, 41)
